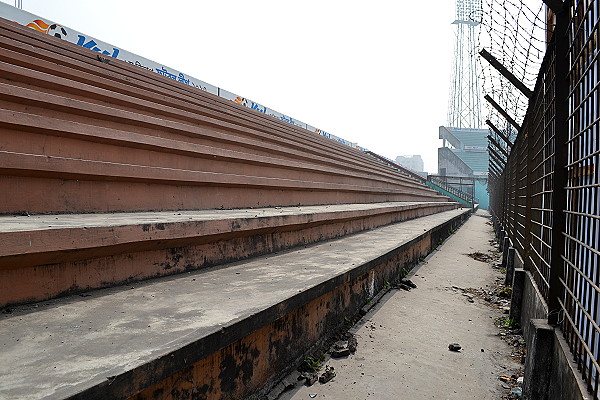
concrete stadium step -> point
(217, 333)
(44, 256)
(84, 136)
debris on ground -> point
(328, 375)
(345, 346)
(409, 283)
(404, 284)
(404, 287)
(520, 380)
(497, 296)
(340, 349)
(454, 347)
(352, 344)
(310, 378)
(516, 393)
(479, 256)
(514, 385)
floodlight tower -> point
(464, 109)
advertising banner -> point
(51, 28)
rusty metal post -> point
(499, 133)
(561, 137)
(497, 145)
(502, 112)
(506, 73)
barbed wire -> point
(514, 32)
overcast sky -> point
(374, 73)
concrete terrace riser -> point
(84, 136)
(61, 59)
(68, 138)
(62, 196)
(40, 264)
(255, 362)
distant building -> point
(414, 163)
(464, 154)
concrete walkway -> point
(403, 341)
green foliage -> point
(507, 322)
(505, 292)
(313, 364)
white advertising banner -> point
(62, 32)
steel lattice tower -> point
(464, 108)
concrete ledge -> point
(217, 333)
(49, 255)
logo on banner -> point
(258, 107)
(240, 100)
(323, 133)
(55, 30)
(60, 32)
(92, 45)
(289, 120)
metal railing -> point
(453, 185)
(546, 194)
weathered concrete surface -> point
(60, 348)
(532, 304)
(566, 382)
(111, 229)
(44, 256)
(403, 341)
(540, 354)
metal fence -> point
(546, 193)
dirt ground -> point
(402, 342)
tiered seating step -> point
(221, 332)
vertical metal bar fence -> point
(551, 180)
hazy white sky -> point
(376, 73)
